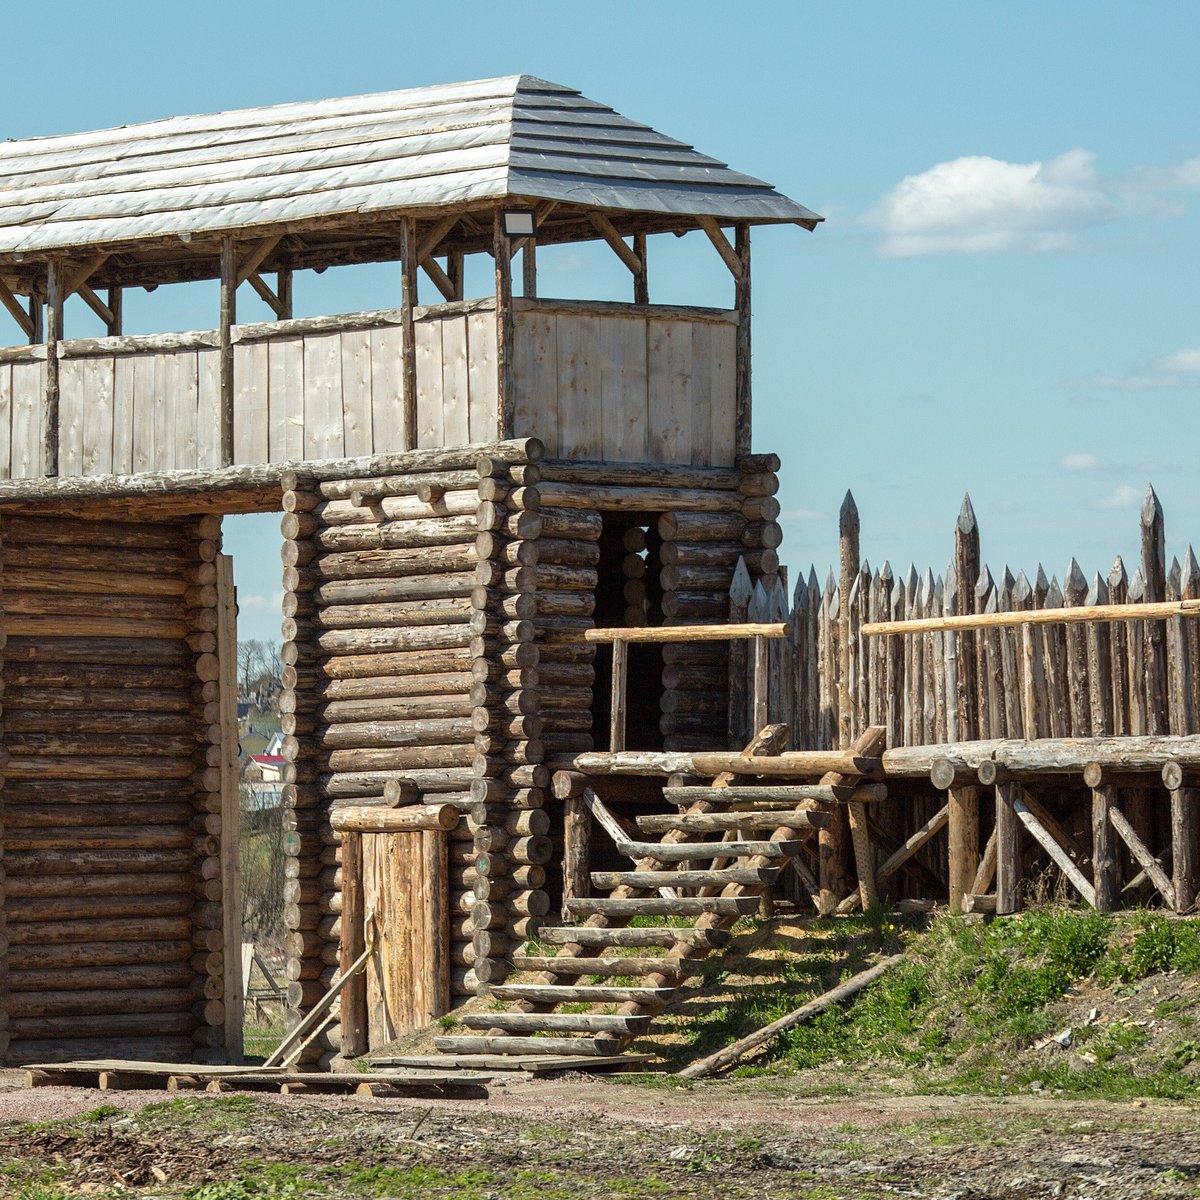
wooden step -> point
(569, 965)
(688, 851)
(473, 1044)
(745, 876)
(719, 822)
(659, 935)
(784, 794)
(553, 993)
(660, 906)
(558, 1022)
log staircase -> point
(701, 887)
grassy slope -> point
(971, 1009)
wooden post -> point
(353, 945)
(1183, 847)
(454, 271)
(231, 874)
(620, 689)
(964, 840)
(1154, 571)
(37, 315)
(762, 682)
(408, 302)
(283, 293)
(743, 409)
(436, 904)
(641, 279)
(577, 850)
(1105, 861)
(529, 269)
(505, 399)
(116, 305)
(228, 318)
(54, 331)
(1007, 848)
(966, 573)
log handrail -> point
(680, 633)
(1043, 616)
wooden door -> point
(405, 891)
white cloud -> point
(256, 602)
(1079, 462)
(1124, 496)
(1177, 369)
(978, 204)
(1182, 362)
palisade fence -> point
(1080, 680)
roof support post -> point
(229, 282)
(54, 328)
(454, 271)
(641, 280)
(506, 401)
(408, 302)
(283, 293)
(743, 431)
(37, 315)
(529, 269)
(115, 309)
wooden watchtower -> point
(465, 486)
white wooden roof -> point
(418, 149)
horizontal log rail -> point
(1043, 616)
(680, 633)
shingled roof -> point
(406, 152)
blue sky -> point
(1004, 299)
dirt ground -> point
(588, 1137)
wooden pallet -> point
(130, 1075)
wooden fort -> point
(466, 487)
(539, 654)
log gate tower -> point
(465, 486)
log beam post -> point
(55, 296)
(1105, 862)
(228, 317)
(1183, 847)
(620, 695)
(353, 946)
(506, 398)
(964, 843)
(742, 403)
(408, 303)
(1007, 849)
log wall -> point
(113, 900)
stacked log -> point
(503, 897)
(4, 995)
(109, 841)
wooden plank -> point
(699, 393)
(351, 947)
(387, 389)
(435, 873)
(208, 392)
(231, 874)
(227, 318)
(6, 420)
(624, 400)
(124, 416)
(72, 402)
(723, 395)
(323, 437)
(481, 376)
(535, 378)
(668, 361)
(579, 421)
(28, 386)
(142, 371)
(250, 436)
(357, 415)
(183, 399)
(429, 414)
(98, 415)
(1007, 849)
(455, 382)
(285, 400)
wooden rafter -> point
(270, 297)
(102, 310)
(441, 280)
(256, 256)
(434, 235)
(10, 302)
(81, 273)
(716, 235)
(608, 231)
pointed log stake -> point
(768, 1033)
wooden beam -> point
(529, 269)
(116, 306)
(408, 302)
(1142, 855)
(441, 280)
(1080, 614)
(231, 874)
(964, 843)
(728, 254)
(272, 300)
(428, 245)
(1105, 863)
(608, 231)
(54, 329)
(641, 281)
(228, 317)
(620, 689)
(743, 409)
(82, 272)
(97, 305)
(22, 318)
(283, 290)
(1057, 854)
(256, 256)
(1007, 849)
(685, 633)
(506, 394)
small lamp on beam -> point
(518, 223)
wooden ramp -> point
(635, 948)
